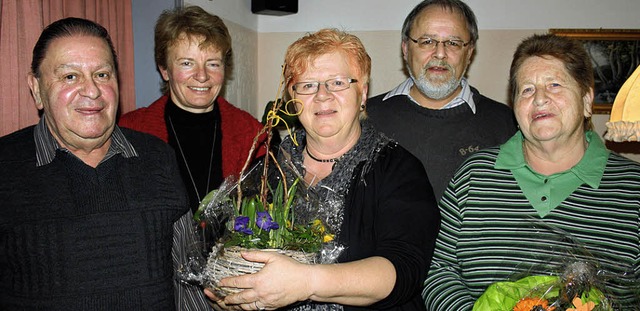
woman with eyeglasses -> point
(375, 194)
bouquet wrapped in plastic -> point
(565, 277)
(578, 287)
(268, 208)
(284, 221)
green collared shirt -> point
(546, 192)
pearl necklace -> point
(322, 160)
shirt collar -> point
(465, 96)
(46, 144)
(589, 169)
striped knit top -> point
(490, 232)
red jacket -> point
(238, 130)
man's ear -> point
(404, 50)
(470, 51)
(34, 85)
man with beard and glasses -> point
(435, 113)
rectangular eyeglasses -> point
(332, 85)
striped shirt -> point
(187, 297)
(465, 96)
(490, 231)
(46, 144)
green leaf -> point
(205, 202)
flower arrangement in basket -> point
(270, 225)
(260, 210)
(275, 226)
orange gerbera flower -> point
(530, 304)
(579, 306)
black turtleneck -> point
(195, 133)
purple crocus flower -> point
(265, 222)
(241, 225)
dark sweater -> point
(78, 238)
(392, 213)
(442, 139)
(379, 195)
(199, 161)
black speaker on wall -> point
(274, 7)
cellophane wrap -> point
(218, 224)
(568, 279)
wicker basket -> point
(228, 262)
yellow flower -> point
(579, 306)
(328, 238)
(318, 226)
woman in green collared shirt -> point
(550, 195)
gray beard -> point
(431, 90)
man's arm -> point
(188, 297)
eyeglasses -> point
(332, 85)
(429, 44)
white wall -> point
(375, 15)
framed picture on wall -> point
(615, 54)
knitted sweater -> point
(238, 130)
(78, 238)
(490, 231)
(442, 139)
